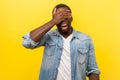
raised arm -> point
(36, 34)
(33, 39)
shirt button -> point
(56, 69)
(58, 58)
(60, 48)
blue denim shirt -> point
(83, 60)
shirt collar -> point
(56, 32)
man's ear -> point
(71, 18)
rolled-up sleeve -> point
(28, 42)
(92, 66)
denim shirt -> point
(83, 60)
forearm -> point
(36, 34)
(94, 76)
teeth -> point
(64, 24)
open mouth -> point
(64, 26)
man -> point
(68, 54)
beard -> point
(64, 27)
(64, 30)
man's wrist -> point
(94, 76)
(53, 21)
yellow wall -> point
(98, 18)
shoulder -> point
(82, 36)
(52, 33)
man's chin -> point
(64, 30)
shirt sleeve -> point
(92, 66)
(29, 43)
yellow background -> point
(98, 18)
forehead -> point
(63, 9)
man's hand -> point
(94, 77)
(60, 15)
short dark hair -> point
(63, 5)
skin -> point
(94, 76)
(65, 30)
(61, 16)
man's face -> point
(65, 26)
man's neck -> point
(65, 35)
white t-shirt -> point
(64, 69)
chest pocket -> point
(82, 55)
(50, 48)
